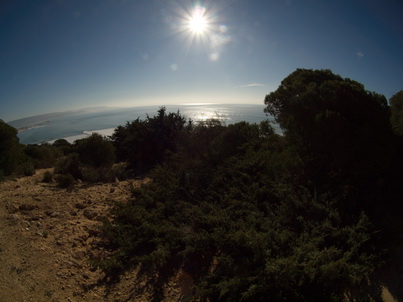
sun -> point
(197, 22)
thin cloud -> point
(253, 85)
(360, 54)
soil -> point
(48, 236)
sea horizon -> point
(76, 124)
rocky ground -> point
(47, 237)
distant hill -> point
(30, 122)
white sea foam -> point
(72, 139)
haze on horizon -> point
(60, 55)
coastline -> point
(73, 138)
(79, 124)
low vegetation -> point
(249, 214)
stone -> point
(12, 208)
(27, 207)
(80, 205)
(90, 214)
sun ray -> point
(198, 22)
(200, 26)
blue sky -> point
(66, 54)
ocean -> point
(73, 125)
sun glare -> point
(198, 21)
(201, 25)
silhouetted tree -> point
(96, 151)
(10, 151)
(342, 131)
(146, 143)
(396, 107)
(63, 145)
(43, 156)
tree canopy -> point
(10, 151)
(396, 107)
(145, 143)
(251, 214)
(342, 131)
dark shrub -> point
(47, 177)
(65, 181)
(10, 151)
(28, 168)
(69, 164)
(63, 146)
(43, 156)
(143, 144)
(96, 151)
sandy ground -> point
(48, 235)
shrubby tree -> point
(95, 151)
(341, 131)
(251, 214)
(242, 227)
(63, 145)
(69, 164)
(396, 107)
(10, 151)
(144, 144)
(42, 156)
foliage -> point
(251, 215)
(341, 131)
(95, 151)
(230, 209)
(69, 165)
(143, 144)
(65, 181)
(63, 145)
(47, 177)
(396, 107)
(42, 156)
(10, 151)
(28, 168)
(93, 160)
(89, 159)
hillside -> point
(47, 236)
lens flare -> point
(198, 22)
(201, 26)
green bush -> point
(69, 164)
(93, 174)
(42, 156)
(251, 214)
(63, 145)
(144, 144)
(47, 177)
(28, 168)
(262, 237)
(119, 171)
(95, 151)
(10, 149)
(65, 181)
